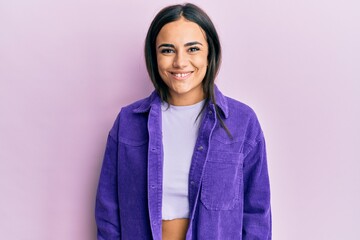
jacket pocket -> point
(221, 181)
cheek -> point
(159, 62)
(162, 62)
(200, 61)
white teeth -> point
(181, 74)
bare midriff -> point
(174, 229)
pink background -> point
(66, 68)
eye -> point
(194, 49)
(167, 50)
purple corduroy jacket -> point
(229, 192)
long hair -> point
(194, 14)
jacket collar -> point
(221, 101)
(147, 103)
(154, 99)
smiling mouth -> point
(181, 75)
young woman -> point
(186, 162)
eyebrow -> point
(186, 44)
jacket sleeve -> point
(257, 211)
(106, 207)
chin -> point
(181, 91)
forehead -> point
(181, 31)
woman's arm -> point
(257, 211)
(107, 209)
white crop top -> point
(179, 131)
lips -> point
(181, 75)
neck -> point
(178, 100)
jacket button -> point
(210, 112)
(192, 182)
(200, 148)
(154, 222)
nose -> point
(180, 60)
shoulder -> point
(242, 117)
(241, 112)
(237, 107)
(130, 108)
(232, 107)
(130, 116)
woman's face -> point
(181, 51)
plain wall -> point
(67, 67)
